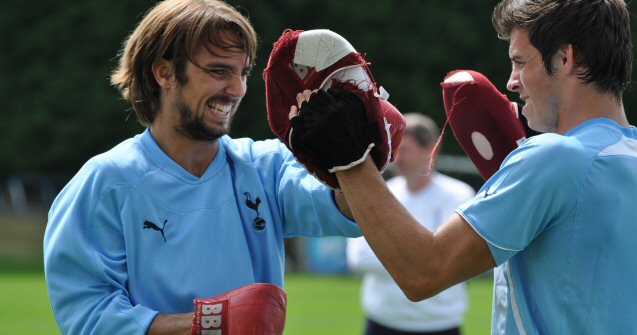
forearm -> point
(171, 324)
(420, 262)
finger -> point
(306, 95)
(299, 99)
(294, 111)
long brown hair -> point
(173, 30)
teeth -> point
(219, 108)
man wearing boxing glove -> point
(182, 212)
(557, 220)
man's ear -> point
(564, 59)
(164, 74)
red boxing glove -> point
(322, 59)
(483, 120)
(255, 309)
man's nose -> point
(237, 86)
(513, 84)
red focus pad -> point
(255, 309)
(483, 120)
(320, 59)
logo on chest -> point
(258, 223)
(153, 226)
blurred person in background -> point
(430, 197)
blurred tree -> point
(59, 109)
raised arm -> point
(422, 263)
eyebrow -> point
(221, 65)
(218, 65)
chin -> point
(198, 132)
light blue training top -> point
(560, 218)
(133, 234)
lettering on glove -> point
(211, 318)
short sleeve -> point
(536, 187)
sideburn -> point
(180, 70)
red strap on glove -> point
(483, 120)
(255, 309)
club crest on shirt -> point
(258, 223)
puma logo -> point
(151, 225)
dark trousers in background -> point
(373, 328)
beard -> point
(195, 127)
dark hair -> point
(422, 128)
(599, 31)
(173, 30)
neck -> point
(587, 104)
(193, 156)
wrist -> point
(169, 324)
(359, 174)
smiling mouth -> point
(220, 109)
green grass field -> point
(316, 305)
(320, 305)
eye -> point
(216, 72)
(516, 64)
